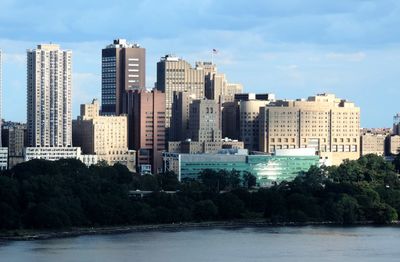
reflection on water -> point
(246, 244)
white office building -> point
(57, 153)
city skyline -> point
(347, 48)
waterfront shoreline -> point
(26, 235)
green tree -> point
(205, 210)
(168, 181)
(249, 180)
(229, 206)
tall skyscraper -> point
(123, 69)
(49, 85)
(177, 75)
(146, 128)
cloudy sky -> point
(293, 48)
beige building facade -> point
(196, 147)
(104, 136)
(372, 144)
(393, 145)
(204, 121)
(324, 122)
(49, 105)
(249, 111)
(177, 75)
(373, 141)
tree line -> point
(43, 194)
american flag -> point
(215, 51)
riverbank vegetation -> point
(40, 194)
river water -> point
(310, 243)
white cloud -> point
(14, 58)
(349, 57)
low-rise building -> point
(14, 137)
(268, 169)
(3, 158)
(104, 136)
(57, 153)
(372, 144)
(51, 153)
(196, 147)
(393, 145)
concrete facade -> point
(14, 137)
(324, 122)
(373, 141)
(177, 75)
(249, 122)
(204, 121)
(49, 84)
(393, 145)
(3, 158)
(179, 129)
(147, 128)
(104, 136)
(196, 147)
(217, 88)
(57, 153)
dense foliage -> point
(65, 193)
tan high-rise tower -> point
(177, 75)
(49, 83)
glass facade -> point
(267, 169)
(275, 169)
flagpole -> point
(212, 56)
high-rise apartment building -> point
(49, 82)
(177, 75)
(104, 136)
(324, 122)
(123, 69)
(147, 128)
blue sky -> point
(293, 48)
